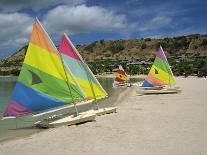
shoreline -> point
(111, 76)
(143, 76)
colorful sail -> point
(160, 73)
(42, 83)
(80, 71)
(121, 76)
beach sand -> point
(172, 124)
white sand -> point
(173, 124)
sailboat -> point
(44, 83)
(121, 79)
(160, 78)
(86, 80)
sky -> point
(86, 21)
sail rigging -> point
(121, 76)
(160, 73)
(42, 83)
(80, 71)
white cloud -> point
(160, 21)
(155, 23)
(82, 18)
(15, 5)
(15, 29)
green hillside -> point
(181, 51)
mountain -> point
(142, 49)
(13, 63)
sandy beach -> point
(172, 124)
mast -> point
(84, 95)
(85, 69)
(91, 85)
(69, 87)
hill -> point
(144, 48)
(194, 45)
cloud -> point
(151, 24)
(157, 22)
(125, 19)
(16, 5)
(15, 29)
(82, 18)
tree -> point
(144, 45)
(204, 42)
(116, 48)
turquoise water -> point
(23, 126)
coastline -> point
(142, 76)
(152, 125)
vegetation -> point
(182, 68)
(186, 54)
(90, 47)
(188, 67)
(204, 42)
(144, 45)
(115, 48)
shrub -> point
(204, 42)
(116, 48)
(147, 39)
(90, 47)
(143, 46)
(102, 41)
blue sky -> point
(90, 20)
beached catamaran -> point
(86, 81)
(121, 78)
(160, 78)
(44, 83)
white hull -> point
(103, 111)
(65, 107)
(69, 120)
(116, 85)
(151, 88)
(158, 91)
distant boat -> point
(86, 80)
(44, 83)
(160, 78)
(121, 79)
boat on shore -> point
(160, 79)
(84, 77)
(44, 83)
(121, 78)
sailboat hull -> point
(69, 120)
(103, 111)
(117, 85)
(158, 91)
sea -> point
(24, 126)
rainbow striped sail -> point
(42, 83)
(80, 71)
(121, 77)
(160, 73)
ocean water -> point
(23, 126)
